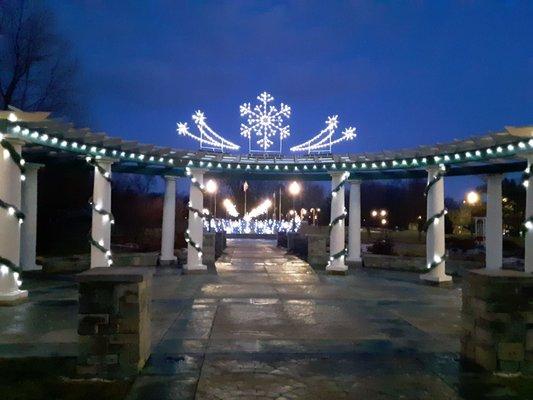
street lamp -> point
(212, 188)
(472, 197)
(294, 190)
(380, 215)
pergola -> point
(36, 138)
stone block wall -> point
(317, 252)
(114, 321)
(497, 317)
(282, 239)
(209, 248)
(290, 240)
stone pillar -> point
(528, 242)
(169, 219)
(114, 321)
(101, 223)
(209, 248)
(196, 224)
(496, 320)
(435, 244)
(10, 192)
(494, 227)
(336, 241)
(354, 228)
(28, 240)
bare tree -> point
(37, 70)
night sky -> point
(404, 73)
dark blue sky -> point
(403, 72)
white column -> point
(336, 237)
(494, 226)
(196, 225)
(10, 192)
(169, 218)
(528, 242)
(435, 245)
(354, 228)
(28, 240)
(101, 224)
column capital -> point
(354, 181)
(497, 176)
(195, 170)
(15, 140)
(33, 166)
(170, 177)
(433, 168)
(105, 160)
(336, 174)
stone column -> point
(101, 223)
(169, 218)
(528, 242)
(336, 236)
(435, 245)
(354, 228)
(494, 227)
(10, 192)
(114, 321)
(196, 224)
(28, 240)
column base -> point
(34, 267)
(167, 262)
(355, 262)
(337, 272)
(337, 269)
(195, 269)
(436, 279)
(13, 298)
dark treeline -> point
(403, 200)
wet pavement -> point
(264, 325)
(267, 326)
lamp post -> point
(212, 188)
(245, 189)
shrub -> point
(463, 244)
(383, 246)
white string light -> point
(265, 122)
(324, 139)
(208, 138)
(259, 210)
(231, 208)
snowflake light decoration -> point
(323, 141)
(264, 123)
(208, 138)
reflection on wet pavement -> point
(267, 326)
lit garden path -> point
(267, 326)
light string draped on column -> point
(435, 218)
(107, 215)
(528, 223)
(339, 218)
(196, 213)
(11, 208)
